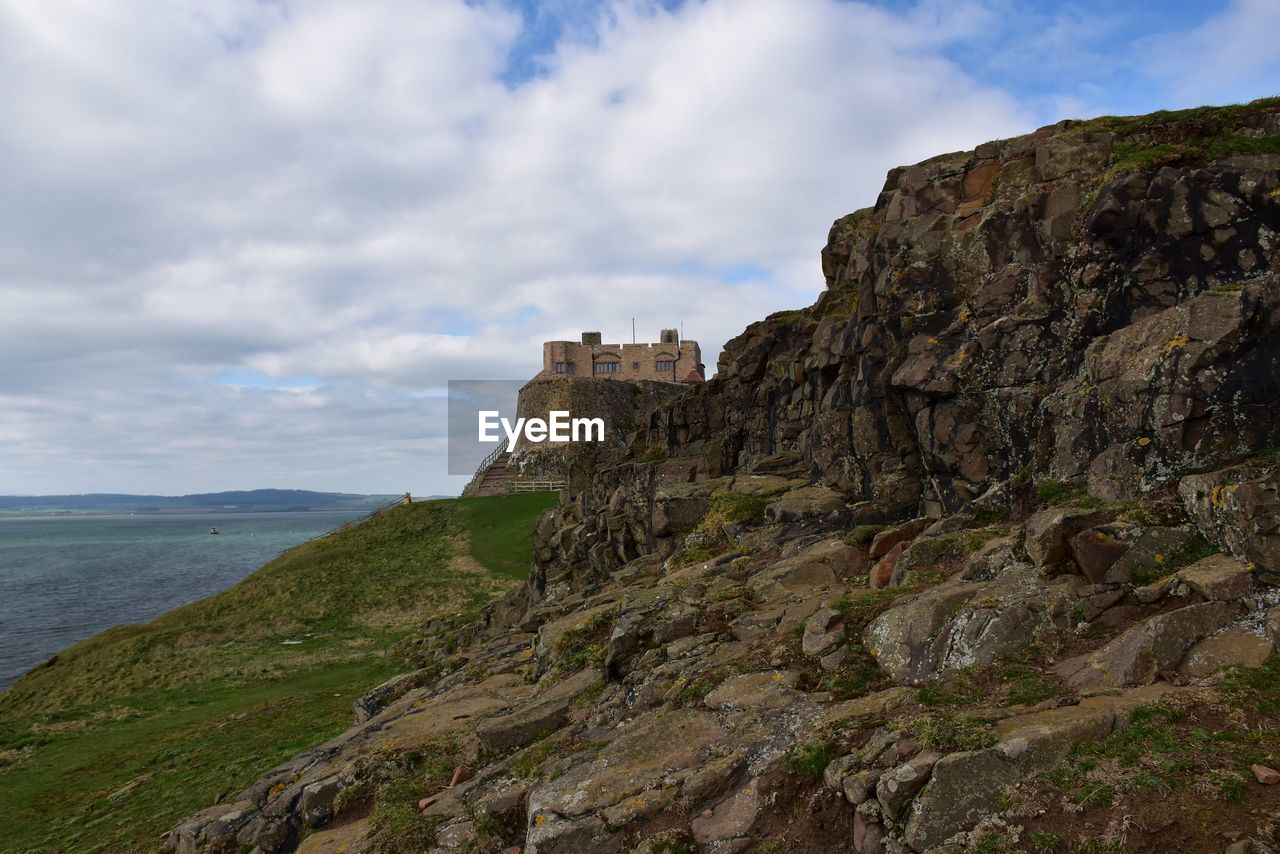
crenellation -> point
(668, 359)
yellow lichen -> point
(1176, 343)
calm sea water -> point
(63, 579)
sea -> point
(66, 578)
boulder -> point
(910, 640)
(858, 787)
(806, 502)
(732, 818)
(1148, 549)
(886, 568)
(1217, 578)
(751, 690)
(904, 533)
(388, 692)
(899, 785)
(1225, 649)
(868, 829)
(822, 631)
(1139, 654)
(537, 718)
(818, 565)
(965, 787)
(965, 624)
(1241, 507)
(637, 760)
(1049, 532)
(1095, 550)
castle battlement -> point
(668, 359)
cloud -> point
(1230, 57)
(385, 195)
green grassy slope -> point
(142, 724)
(498, 529)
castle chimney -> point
(669, 336)
(591, 338)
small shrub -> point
(809, 759)
(949, 731)
(988, 843)
(356, 794)
(729, 507)
(860, 608)
(1043, 842)
(582, 646)
(1050, 492)
(590, 695)
(1025, 686)
(962, 691)
(695, 553)
(488, 825)
(857, 675)
(864, 534)
(654, 454)
(528, 764)
(1095, 796)
(1229, 788)
(395, 826)
(1197, 548)
(692, 694)
(673, 842)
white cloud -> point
(1231, 57)
(350, 192)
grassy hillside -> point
(132, 729)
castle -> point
(670, 359)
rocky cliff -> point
(978, 550)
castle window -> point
(635, 366)
(664, 365)
(606, 367)
(564, 367)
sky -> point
(246, 243)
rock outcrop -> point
(1019, 456)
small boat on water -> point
(214, 531)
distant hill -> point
(240, 501)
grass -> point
(141, 725)
(583, 646)
(1169, 747)
(529, 762)
(498, 528)
(809, 759)
(949, 731)
(395, 824)
(859, 674)
(729, 507)
(1197, 548)
(1051, 492)
(1184, 137)
(865, 534)
(1025, 686)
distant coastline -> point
(244, 501)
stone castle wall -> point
(670, 359)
